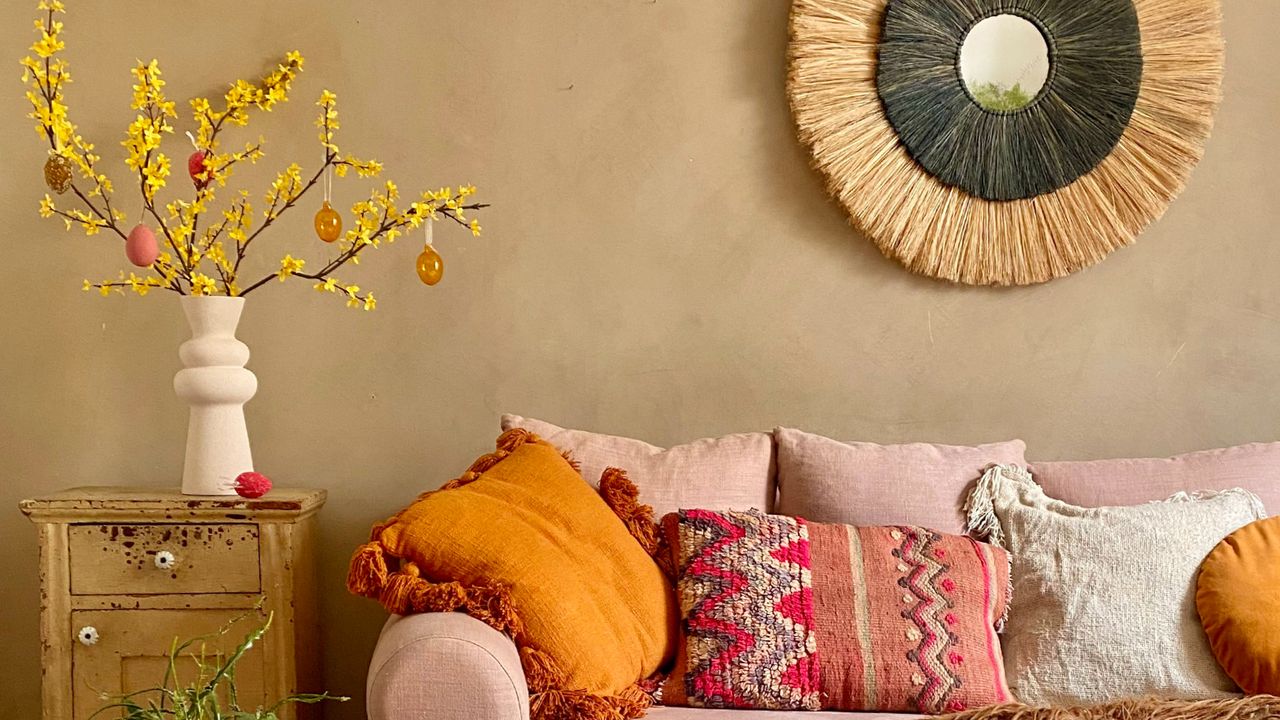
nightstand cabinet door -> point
(130, 653)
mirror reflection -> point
(1004, 62)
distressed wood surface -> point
(207, 601)
(156, 504)
(97, 550)
(111, 558)
(56, 634)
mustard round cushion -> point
(1238, 597)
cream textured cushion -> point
(1104, 598)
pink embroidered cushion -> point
(1130, 481)
(778, 613)
(868, 484)
(734, 472)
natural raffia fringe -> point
(404, 591)
(941, 231)
(1256, 707)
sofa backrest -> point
(734, 472)
(1130, 481)
(865, 484)
(796, 473)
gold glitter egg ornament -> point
(57, 174)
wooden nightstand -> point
(98, 569)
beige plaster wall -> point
(660, 262)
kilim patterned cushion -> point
(783, 614)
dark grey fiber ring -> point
(1095, 73)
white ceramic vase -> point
(215, 383)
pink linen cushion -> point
(734, 472)
(1129, 481)
(859, 483)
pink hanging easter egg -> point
(140, 247)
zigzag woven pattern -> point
(745, 579)
(925, 580)
(902, 618)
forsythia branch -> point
(201, 260)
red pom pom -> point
(252, 485)
(195, 166)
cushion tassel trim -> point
(982, 523)
(549, 700)
(622, 496)
(1256, 707)
(980, 509)
(404, 592)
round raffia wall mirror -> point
(1004, 142)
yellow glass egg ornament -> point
(430, 266)
(328, 223)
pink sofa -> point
(448, 666)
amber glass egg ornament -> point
(430, 266)
(328, 223)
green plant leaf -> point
(199, 700)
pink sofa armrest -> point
(445, 666)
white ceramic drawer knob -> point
(165, 560)
(88, 635)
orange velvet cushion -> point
(1238, 596)
(523, 543)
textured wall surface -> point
(660, 262)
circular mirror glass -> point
(1004, 61)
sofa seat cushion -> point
(734, 472)
(685, 713)
(1129, 481)
(860, 483)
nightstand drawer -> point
(146, 559)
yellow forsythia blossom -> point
(288, 266)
